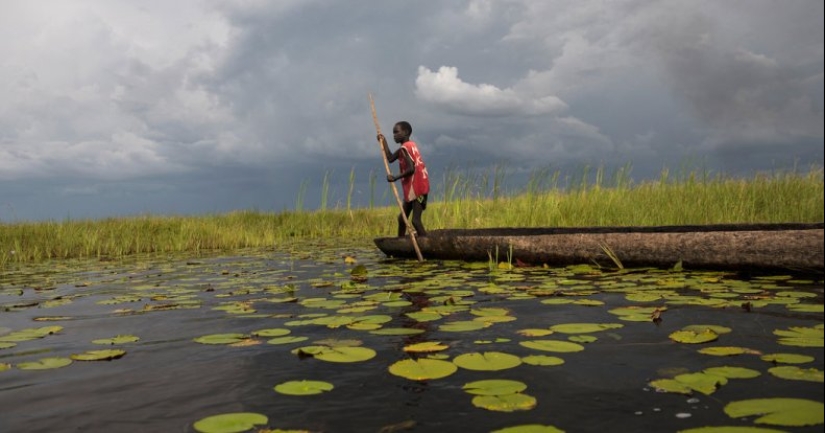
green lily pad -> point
(529, 428)
(230, 338)
(731, 429)
(790, 412)
(343, 354)
(701, 328)
(423, 316)
(727, 351)
(703, 382)
(286, 339)
(553, 346)
(462, 326)
(494, 387)
(427, 346)
(584, 328)
(693, 337)
(505, 403)
(542, 360)
(230, 422)
(801, 336)
(792, 372)
(422, 369)
(45, 364)
(534, 332)
(397, 331)
(787, 358)
(733, 372)
(487, 361)
(4, 366)
(30, 334)
(99, 355)
(672, 386)
(120, 339)
(272, 332)
(303, 387)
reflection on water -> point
(167, 381)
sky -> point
(113, 108)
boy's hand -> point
(381, 138)
(390, 178)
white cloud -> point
(445, 89)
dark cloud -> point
(214, 105)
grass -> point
(459, 200)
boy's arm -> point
(391, 157)
(410, 165)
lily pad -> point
(303, 387)
(423, 369)
(462, 326)
(792, 372)
(344, 354)
(505, 403)
(427, 346)
(120, 339)
(230, 338)
(791, 412)
(45, 364)
(553, 345)
(494, 387)
(271, 332)
(584, 328)
(529, 428)
(487, 361)
(787, 358)
(733, 372)
(542, 360)
(731, 429)
(286, 339)
(801, 336)
(693, 337)
(99, 355)
(727, 351)
(230, 422)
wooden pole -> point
(410, 228)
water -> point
(166, 381)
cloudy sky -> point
(116, 107)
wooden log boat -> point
(742, 247)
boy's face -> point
(399, 135)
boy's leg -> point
(402, 227)
(417, 210)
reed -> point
(459, 200)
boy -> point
(414, 178)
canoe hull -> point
(796, 247)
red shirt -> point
(419, 183)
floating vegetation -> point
(230, 422)
(276, 313)
(422, 369)
(487, 361)
(790, 412)
(99, 355)
(45, 364)
(303, 387)
(119, 339)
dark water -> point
(166, 381)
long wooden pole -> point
(410, 228)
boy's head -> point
(401, 132)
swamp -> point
(333, 336)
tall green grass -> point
(459, 200)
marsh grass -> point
(459, 200)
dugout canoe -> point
(740, 247)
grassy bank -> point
(457, 201)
